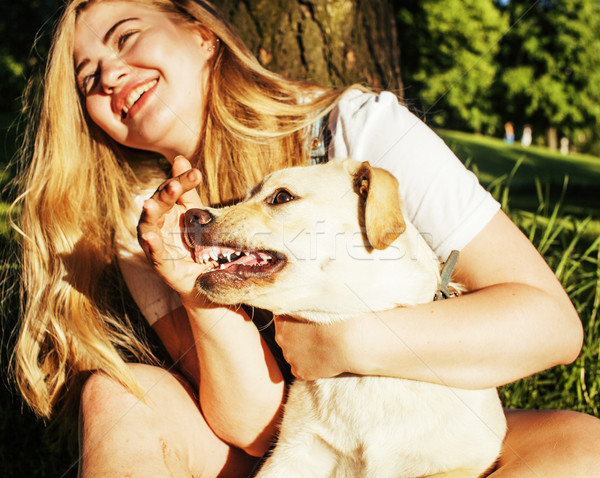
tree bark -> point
(330, 42)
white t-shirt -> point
(441, 197)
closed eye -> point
(280, 196)
(87, 82)
(123, 37)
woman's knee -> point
(578, 435)
(550, 443)
(160, 432)
(100, 393)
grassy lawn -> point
(496, 158)
(561, 217)
(493, 160)
(532, 181)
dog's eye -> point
(281, 196)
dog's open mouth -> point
(245, 264)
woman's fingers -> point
(189, 179)
(163, 200)
(315, 350)
(159, 221)
(150, 227)
(153, 245)
(180, 189)
(159, 228)
(180, 165)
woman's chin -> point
(167, 134)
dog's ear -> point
(383, 219)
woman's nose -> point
(114, 70)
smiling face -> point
(142, 75)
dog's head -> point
(327, 238)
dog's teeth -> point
(228, 256)
(205, 257)
(222, 266)
(214, 255)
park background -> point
(466, 67)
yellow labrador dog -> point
(322, 243)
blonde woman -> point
(131, 81)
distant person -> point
(509, 133)
(564, 145)
(526, 138)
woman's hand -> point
(159, 229)
(318, 351)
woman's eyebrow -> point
(105, 40)
(112, 29)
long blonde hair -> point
(78, 186)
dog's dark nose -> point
(195, 221)
(199, 217)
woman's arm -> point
(517, 321)
(175, 333)
(240, 385)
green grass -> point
(554, 199)
(493, 161)
(566, 245)
(560, 216)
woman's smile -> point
(132, 97)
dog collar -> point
(445, 290)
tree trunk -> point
(330, 42)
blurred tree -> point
(448, 60)
(551, 69)
(20, 24)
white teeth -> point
(136, 94)
(219, 259)
(214, 254)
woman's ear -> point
(210, 42)
(382, 209)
